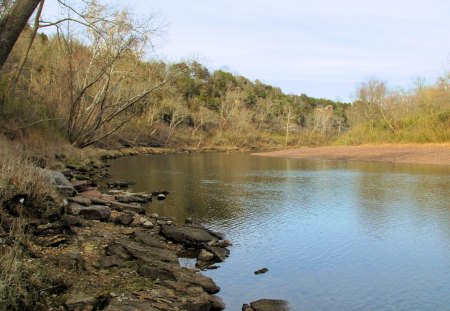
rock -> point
(270, 305)
(130, 199)
(220, 254)
(148, 224)
(186, 275)
(82, 185)
(188, 236)
(81, 200)
(247, 307)
(127, 207)
(99, 201)
(129, 250)
(71, 220)
(92, 193)
(123, 218)
(93, 212)
(61, 183)
(111, 261)
(148, 239)
(205, 256)
(161, 197)
(159, 271)
(156, 193)
(261, 271)
(120, 184)
(80, 301)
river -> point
(334, 235)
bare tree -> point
(14, 17)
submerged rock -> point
(261, 271)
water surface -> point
(334, 235)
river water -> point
(334, 235)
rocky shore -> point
(104, 252)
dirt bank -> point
(420, 154)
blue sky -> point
(323, 48)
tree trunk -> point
(12, 25)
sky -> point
(323, 48)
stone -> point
(82, 185)
(93, 212)
(81, 200)
(186, 235)
(60, 182)
(205, 256)
(189, 276)
(111, 261)
(247, 307)
(128, 250)
(123, 218)
(220, 253)
(160, 271)
(270, 305)
(71, 220)
(79, 301)
(120, 184)
(148, 239)
(92, 193)
(118, 206)
(148, 224)
(261, 271)
(130, 199)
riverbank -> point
(433, 154)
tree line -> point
(93, 82)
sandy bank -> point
(436, 154)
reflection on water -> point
(334, 235)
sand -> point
(435, 154)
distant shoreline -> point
(433, 154)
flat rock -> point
(92, 193)
(130, 199)
(93, 212)
(148, 239)
(157, 271)
(270, 305)
(80, 200)
(189, 276)
(82, 185)
(131, 250)
(186, 235)
(118, 206)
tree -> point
(13, 20)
